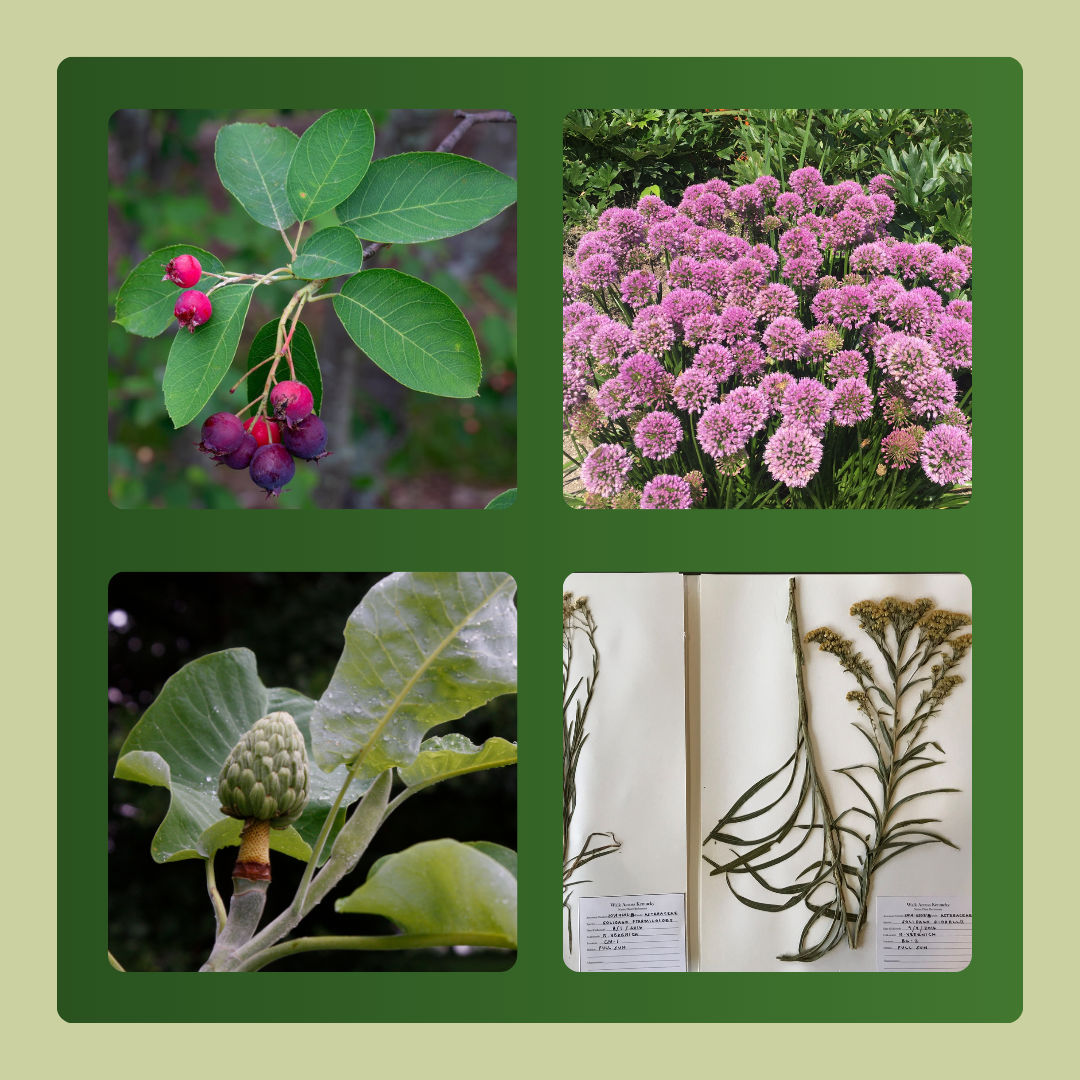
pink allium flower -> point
(852, 402)
(604, 470)
(793, 455)
(657, 435)
(783, 338)
(638, 288)
(694, 389)
(667, 492)
(653, 330)
(946, 455)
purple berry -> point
(307, 440)
(291, 402)
(241, 457)
(193, 309)
(184, 271)
(222, 433)
(272, 468)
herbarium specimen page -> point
(749, 714)
(631, 773)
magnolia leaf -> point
(451, 755)
(253, 161)
(414, 332)
(183, 739)
(331, 159)
(421, 649)
(198, 361)
(410, 198)
(505, 500)
(226, 833)
(329, 253)
(504, 856)
(144, 304)
(305, 361)
(441, 887)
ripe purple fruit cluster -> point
(193, 308)
(267, 448)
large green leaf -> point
(304, 357)
(421, 649)
(329, 253)
(144, 304)
(226, 833)
(253, 162)
(503, 501)
(183, 739)
(414, 332)
(331, 159)
(410, 198)
(455, 754)
(198, 361)
(441, 887)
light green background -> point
(1035, 34)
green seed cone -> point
(266, 775)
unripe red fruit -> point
(272, 468)
(307, 440)
(184, 270)
(193, 309)
(222, 433)
(258, 427)
(291, 402)
(241, 457)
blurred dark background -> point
(160, 917)
(392, 447)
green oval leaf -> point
(414, 332)
(304, 357)
(455, 754)
(329, 253)
(144, 304)
(503, 501)
(331, 159)
(421, 649)
(198, 361)
(410, 198)
(183, 739)
(441, 887)
(253, 161)
(504, 856)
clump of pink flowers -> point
(777, 343)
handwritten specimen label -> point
(923, 933)
(633, 933)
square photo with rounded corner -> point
(312, 310)
(767, 309)
(312, 772)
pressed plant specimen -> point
(577, 618)
(836, 887)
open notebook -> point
(695, 702)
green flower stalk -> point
(264, 783)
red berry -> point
(272, 468)
(222, 433)
(184, 271)
(307, 440)
(193, 309)
(241, 457)
(259, 428)
(291, 402)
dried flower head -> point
(936, 625)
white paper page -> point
(749, 709)
(631, 779)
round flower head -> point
(707, 209)
(773, 387)
(628, 225)
(925, 254)
(571, 288)
(793, 455)
(694, 389)
(736, 324)
(821, 343)
(945, 455)
(769, 187)
(767, 257)
(820, 227)
(653, 330)
(604, 470)
(931, 392)
(865, 208)
(680, 304)
(716, 360)
(652, 207)
(900, 448)
(807, 403)
(681, 271)
(751, 404)
(594, 243)
(841, 194)
(799, 243)
(615, 399)
(963, 253)
(900, 355)
(748, 359)
(712, 276)
(852, 306)
(649, 384)
(702, 329)
(611, 342)
(882, 183)
(948, 272)
(638, 288)
(886, 208)
(598, 272)
(783, 338)
(807, 182)
(903, 260)
(724, 429)
(847, 229)
(848, 364)
(575, 385)
(572, 314)
(747, 202)
(716, 244)
(658, 434)
(883, 291)
(789, 205)
(774, 301)
(803, 271)
(869, 259)
(666, 492)
(747, 278)
(852, 401)
(959, 309)
(673, 236)
(952, 342)
(578, 339)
